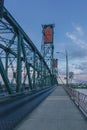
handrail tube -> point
(79, 98)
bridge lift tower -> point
(47, 47)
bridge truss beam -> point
(21, 64)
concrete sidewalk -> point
(56, 112)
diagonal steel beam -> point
(6, 49)
(18, 28)
(5, 78)
(27, 65)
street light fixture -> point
(66, 54)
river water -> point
(82, 91)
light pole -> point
(67, 70)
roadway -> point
(56, 112)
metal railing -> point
(79, 98)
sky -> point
(70, 31)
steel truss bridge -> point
(22, 67)
(25, 77)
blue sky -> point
(70, 32)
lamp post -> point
(66, 54)
(67, 69)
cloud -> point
(82, 66)
(78, 29)
(78, 54)
(71, 36)
(79, 68)
(78, 48)
(77, 37)
(80, 78)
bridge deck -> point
(56, 112)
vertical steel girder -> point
(7, 53)
(5, 77)
(6, 65)
(22, 60)
(19, 62)
(27, 65)
(34, 58)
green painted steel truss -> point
(21, 64)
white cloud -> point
(77, 36)
(71, 36)
(78, 29)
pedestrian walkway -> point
(56, 112)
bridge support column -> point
(34, 58)
(4, 77)
(19, 62)
(6, 63)
(27, 65)
(41, 81)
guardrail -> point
(79, 98)
(14, 111)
